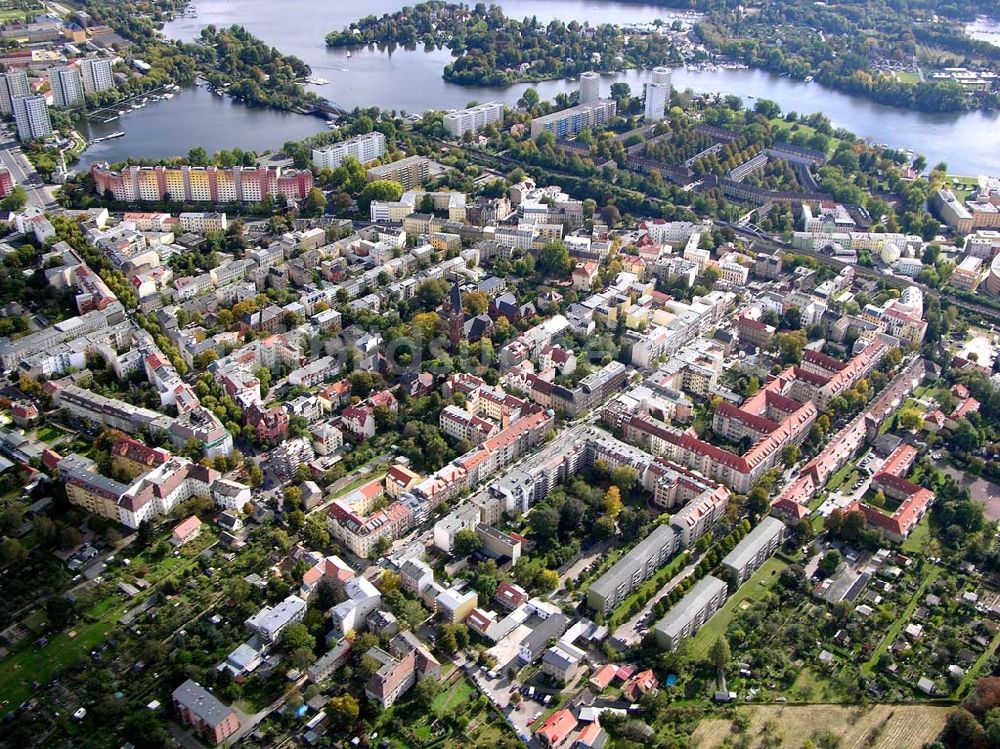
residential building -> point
(590, 87)
(271, 621)
(67, 87)
(365, 148)
(457, 122)
(200, 708)
(571, 121)
(637, 566)
(362, 598)
(96, 74)
(689, 614)
(13, 83)
(195, 184)
(410, 172)
(31, 114)
(657, 95)
(755, 549)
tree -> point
(610, 215)
(910, 418)
(789, 346)
(985, 696)
(344, 711)
(544, 521)
(12, 552)
(790, 455)
(445, 638)
(625, 478)
(466, 542)
(301, 657)
(719, 654)
(144, 728)
(297, 636)
(829, 563)
(547, 581)
(554, 259)
(315, 202)
(381, 189)
(15, 200)
(613, 502)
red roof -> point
(558, 726)
(186, 527)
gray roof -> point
(626, 567)
(544, 631)
(679, 616)
(194, 697)
(766, 531)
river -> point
(410, 80)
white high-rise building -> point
(590, 87)
(96, 74)
(364, 148)
(32, 116)
(657, 96)
(662, 75)
(459, 121)
(12, 83)
(67, 88)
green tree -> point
(381, 189)
(297, 636)
(466, 542)
(344, 711)
(554, 259)
(719, 654)
(15, 200)
(910, 418)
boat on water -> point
(168, 96)
(348, 54)
(111, 119)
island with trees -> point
(491, 49)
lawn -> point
(838, 478)
(753, 589)
(781, 127)
(907, 77)
(920, 539)
(877, 727)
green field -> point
(907, 77)
(754, 589)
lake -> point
(410, 80)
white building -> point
(459, 121)
(96, 74)
(657, 94)
(32, 116)
(362, 599)
(13, 83)
(590, 87)
(365, 148)
(67, 87)
(271, 621)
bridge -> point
(326, 108)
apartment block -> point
(67, 87)
(200, 708)
(410, 172)
(31, 114)
(755, 549)
(460, 121)
(691, 612)
(365, 148)
(571, 121)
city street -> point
(23, 172)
